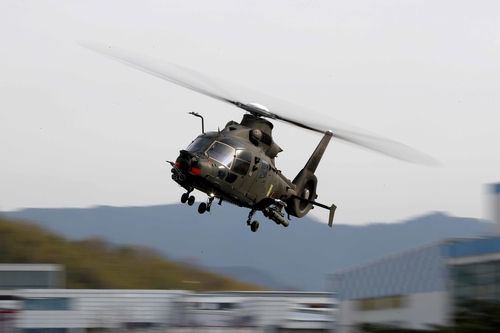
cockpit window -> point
(200, 144)
(222, 153)
(242, 161)
(244, 155)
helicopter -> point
(237, 164)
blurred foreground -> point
(82, 311)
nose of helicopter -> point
(184, 161)
(188, 165)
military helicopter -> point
(237, 164)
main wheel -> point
(202, 208)
(184, 198)
(191, 200)
(254, 226)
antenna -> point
(196, 114)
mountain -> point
(96, 264)
(297, 257)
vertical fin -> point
(316, 156)
(332, 213)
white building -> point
(419, 287)
(83, 311)
(32, 276)
(283, 311)
(16, 276)
(495, 205)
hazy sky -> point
(77, 129)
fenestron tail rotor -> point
(267, 106)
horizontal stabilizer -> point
(332, 208)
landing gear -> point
(254, 226)
(205, 207)
(185, 197)
(202, 208)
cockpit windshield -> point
(222, 153)
(200, 144)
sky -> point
(80, 130)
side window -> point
(222, 173)
(242, 162)
(47, 304)
(263, 169)
(231, 177)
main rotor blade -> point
(179, 75)
(278, 109)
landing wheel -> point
(254, 226)
(202, 208)
(191, 200)
(184, 197)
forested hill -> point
(95, 263)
